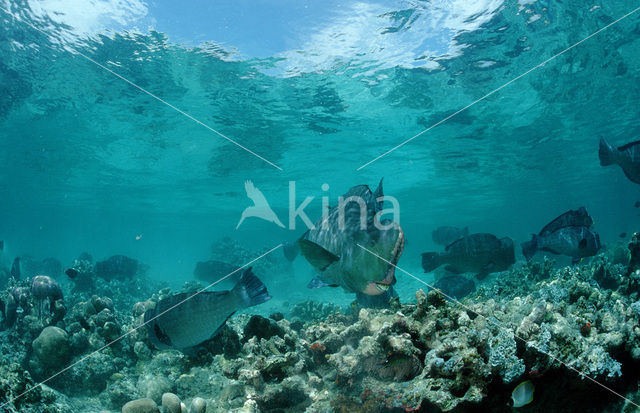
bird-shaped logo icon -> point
(260, 208)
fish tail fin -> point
(291, 250)
(251, 290)
(606, 153)
(529, 248)
(430, 261)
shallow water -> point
(90, 162)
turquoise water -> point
(90, 162)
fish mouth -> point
(395, 257)
(381, 287)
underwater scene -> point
(319, 206)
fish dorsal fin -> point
(628, 145)
(370, 198)
(453, 243)
(572, 218)
(316, 255)
(361, 191)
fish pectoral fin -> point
(316, 255)
(583, 243)
(318, 282)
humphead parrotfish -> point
(570, 234)
(186, 320)
(626, 157)
(479, 253)
(335, 245)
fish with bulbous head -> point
(343, 245)
(569, 234)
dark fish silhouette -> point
(479, 253)
(1, 245)
(9, 308)
(455, 286)
(332, 246)
(71, 273)
(186, 320)
(637, 204)
(570, 234)
(446, 235)
(15, 268)
(117, 267)
(626, 157)
(623, 235)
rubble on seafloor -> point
(534, 323)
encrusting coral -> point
(534, 323)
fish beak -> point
(383, 288)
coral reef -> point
(533, 322)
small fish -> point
(626, 157)
(186, 320)
(623, 235)
(523, 394)
(446, 235)
(479, 253)
(455, 286)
